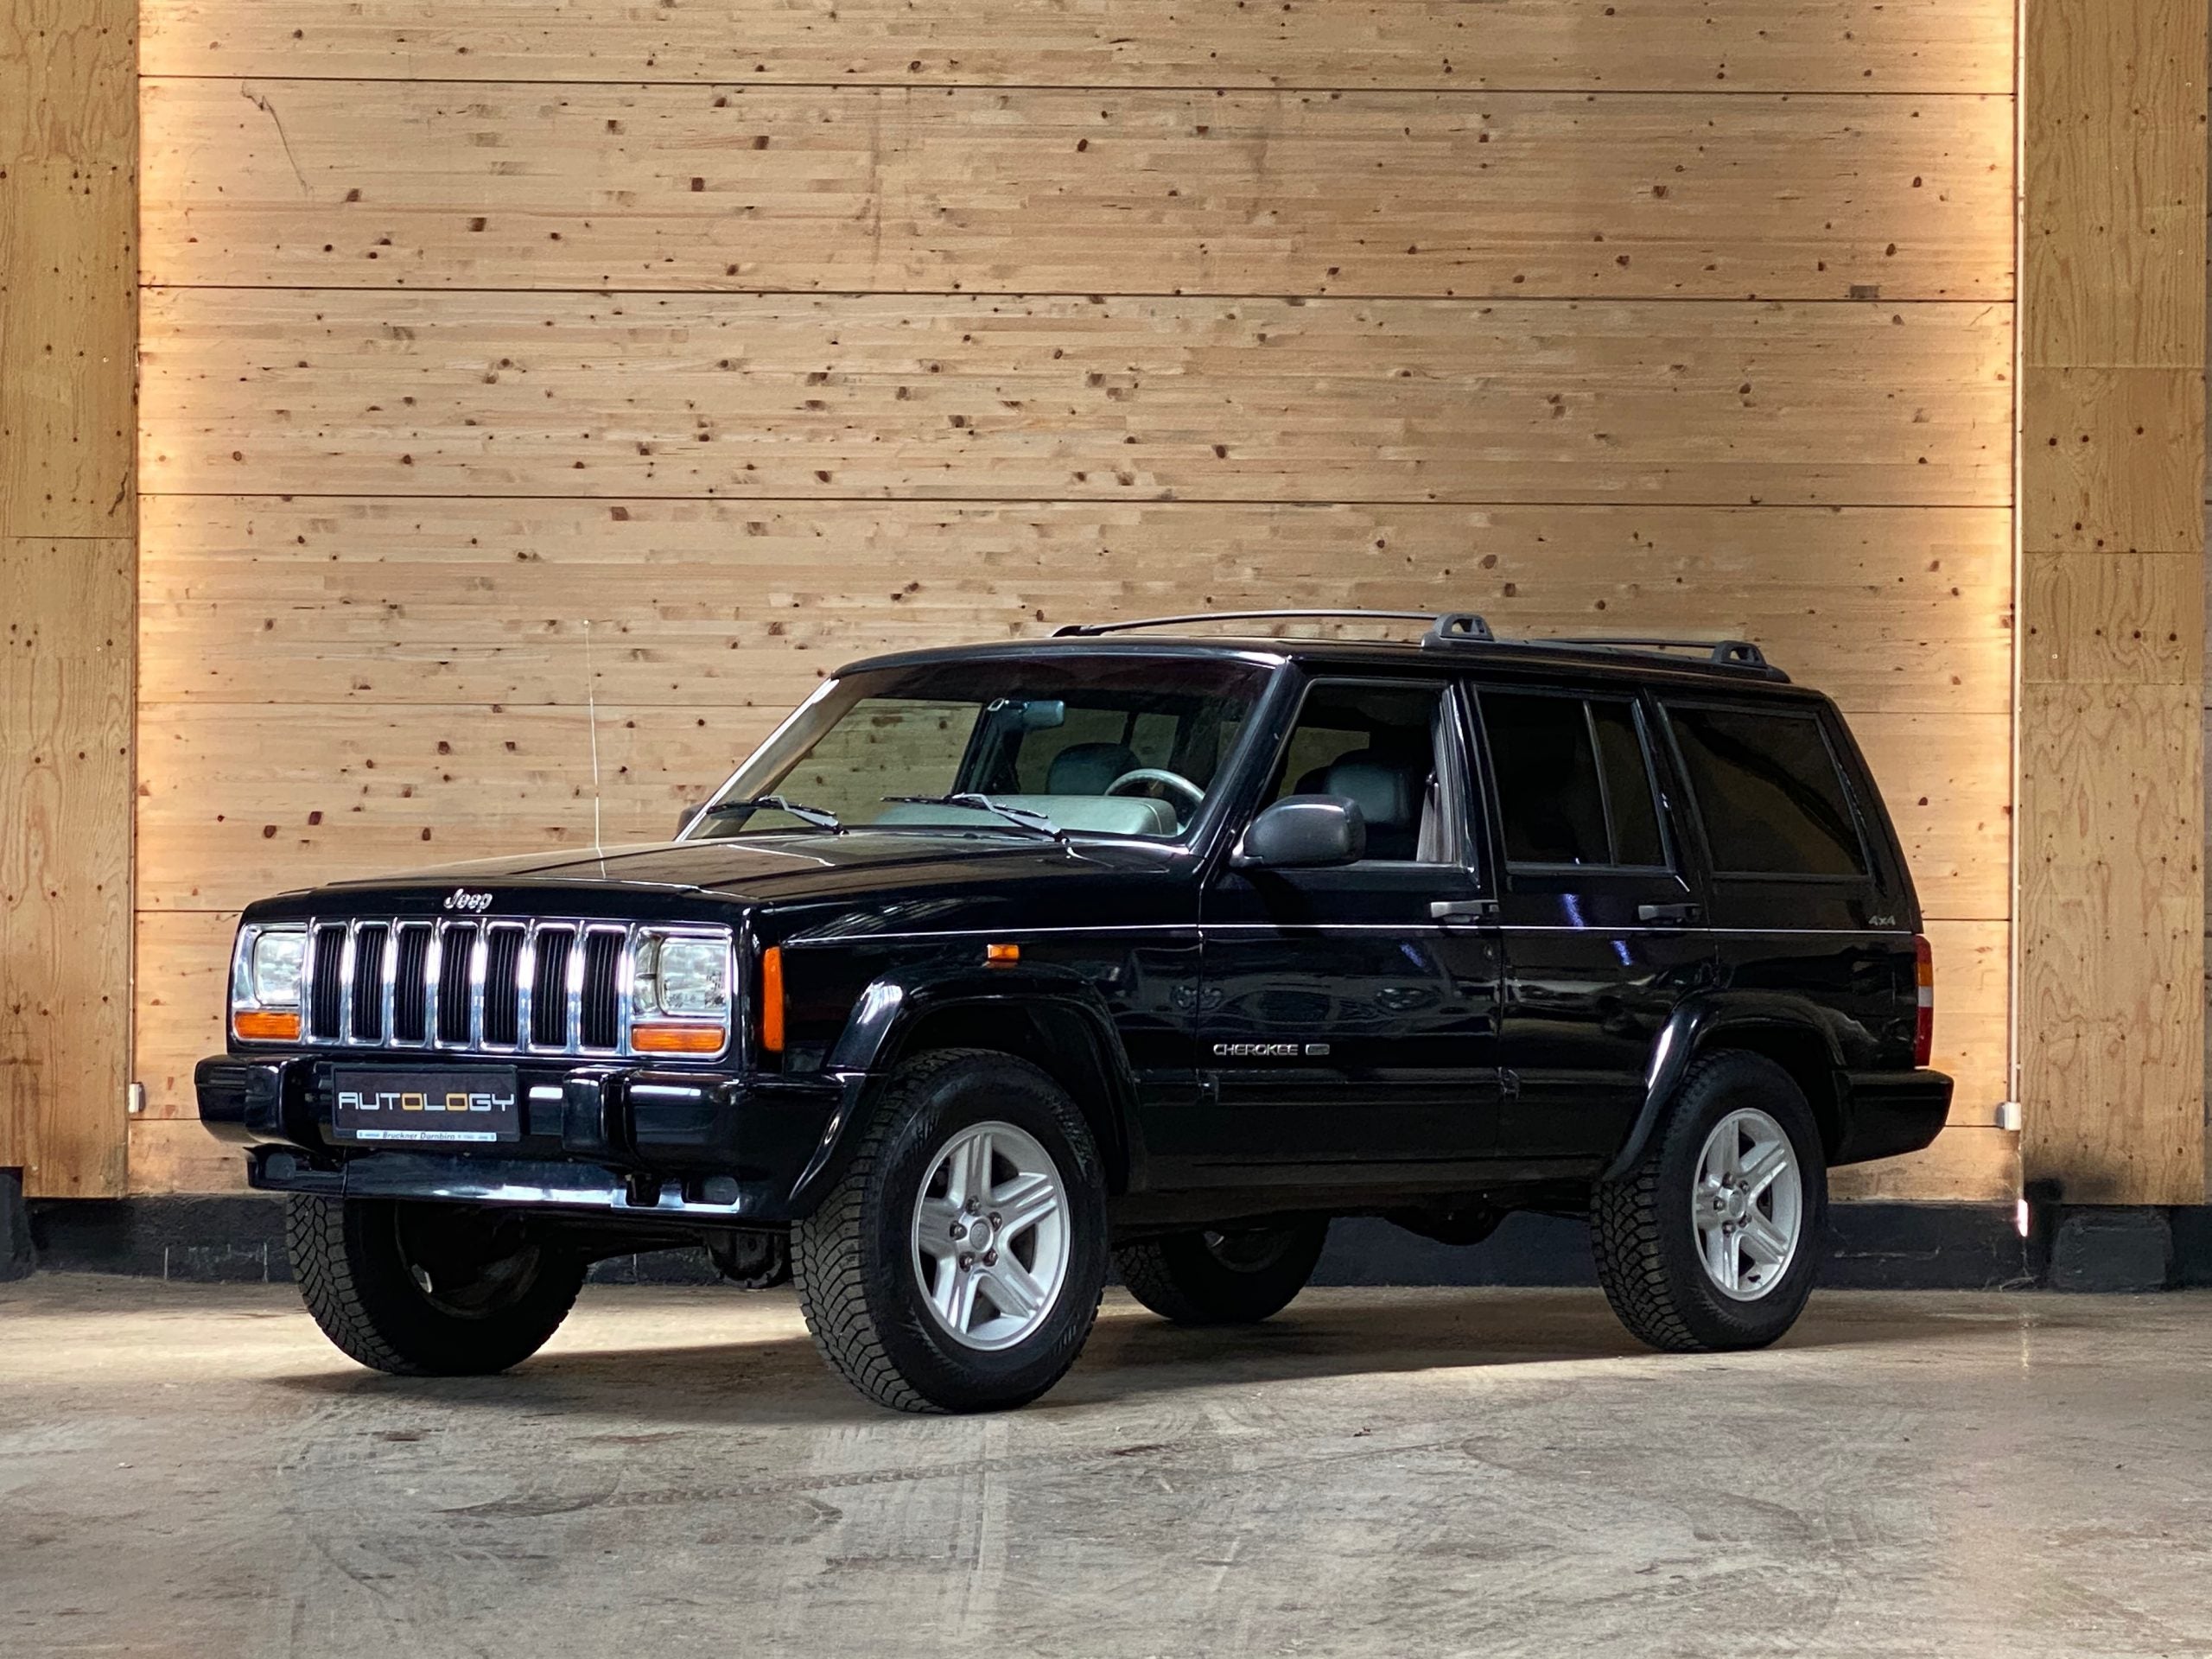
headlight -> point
(681, 978)
(265, 974)
(269, 960)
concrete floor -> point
(189, 1471)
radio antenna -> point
(591, 715)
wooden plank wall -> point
(68, 168)
(2112, 607)
(503, 359)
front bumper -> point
(629, 1139)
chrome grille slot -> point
(327, 984)
(599, 1024)
(456, 961)
(549, 988)
(411, 988)
(502, 985)
(502, 988)
(367, 1025)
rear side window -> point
(1768, 789)
(1573, 784)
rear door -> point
(1602, 910)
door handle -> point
(1665, 912)
(1448, 911)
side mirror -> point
(685, 819)
(1304, 832)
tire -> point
(498, 1287)
(882, 1291)
(1652, 1252)
(1223, 1276)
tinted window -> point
(1547, 788)
(1769, 791)
(1378, 745)
(1573, 786)
(1627, 772)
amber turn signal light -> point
(267, 1025)
(772, 999)
(677, 1040)
(1001, 953)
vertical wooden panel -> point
(68, 336)
(65, 860)
(2110, 1005)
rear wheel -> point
(957, 1264)
(1712, 1241)
(1223, 1275)
(429, 1289)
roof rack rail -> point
(1721, 653)
(1087, 630)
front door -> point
(1603, 926)
(1348, 1015)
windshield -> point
(1071, 745)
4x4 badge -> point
(474, 903)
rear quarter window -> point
(1770, 791)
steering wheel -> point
(1174, 781)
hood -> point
(784, 867)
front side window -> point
(1770, 791)
(1382, 747)
(1110, 745)
(1575, 784)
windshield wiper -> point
(1020, 815)
(820, 817)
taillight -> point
(1923, 1018)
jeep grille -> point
(500, 986)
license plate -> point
(382, 1104)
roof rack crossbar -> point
(1087, 630)
(1724, 653)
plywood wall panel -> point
(413, 184)
(177, 1155)
(2111, 891)
(722, 604)
(235, 803)
(64, 862)
(67, 305)
(1965, 1166)
(1973, 996)
(68, 81)
(286, 390)
(763, 340)
(238, 800)
(1593, 45)
(180, 1004)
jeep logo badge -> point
(474, 903)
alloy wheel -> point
(991, 1236)
(1748, 1206)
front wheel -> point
(1712, 1241)
(429, 1289)
(1237, 1275)
(957, 1264)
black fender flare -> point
(889, 1010)
(1704, 1021)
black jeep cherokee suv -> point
(995, 965)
